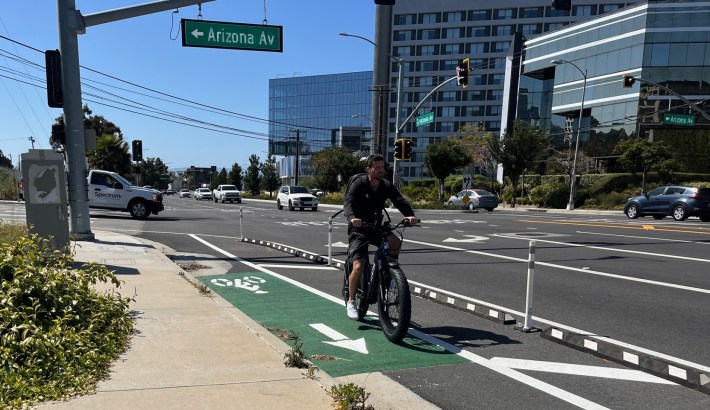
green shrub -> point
(58, 335)
(551, 195)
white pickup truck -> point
(225, 193)
(108, 190)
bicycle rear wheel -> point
(394, 305)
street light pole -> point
(399, 98)
(573, 177)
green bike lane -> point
(337, 345)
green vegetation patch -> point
(58, 334)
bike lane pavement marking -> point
(330, 340)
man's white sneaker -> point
(352, 311)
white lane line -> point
(513, 374)
(643, 237)
(576, 245)
(293, 266)
(579, 370)
(570, 268)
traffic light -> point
(629, 80)
(53, 70)
(399, 149)
(58, 136)
(407, 154)
(562, 4)
(137, 146)
(462, 73)
(385, 2)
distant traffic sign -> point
(425, 119)
(238, 36)
(679, 119)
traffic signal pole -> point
(398, 129)
(72, 23)
(685, 100)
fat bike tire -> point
(394, 305)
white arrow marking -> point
(470, 238)
(579, 370)
(197, 33)
(339, 245)
(340, 340)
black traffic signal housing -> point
(562, 4)
(137, 146)
(407, 153)
(58, 136)
(53, 69)
(462, 73)
(385, 2)
(399, 149)
(629, 80)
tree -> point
(98, 123)
(475, 143)
(154, 172)
(220, 179)
(270, 180)
(519, 150)
(333, 167)
(111, 154)
(235, 176)
(252, 179)
(5, 161)
(642, 154)
(443, 158)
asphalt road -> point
(640, 282)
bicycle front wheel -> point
(394, 305)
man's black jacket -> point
(361, 201)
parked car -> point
(203, 193)
(680, 202)
(477, 198)
(184, 193)
(296, 196)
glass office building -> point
(434, 36)
(665, 46)
(322, 111)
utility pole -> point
(298, 153)
(32, 141)
(380, 71)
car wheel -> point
(222, 200)
(632, 211)
(470, 206)
(278, 205)
(659, 217)
(451, 203)
(290, 205)
(489, 209)
(301, 209)
(315, 208)
(679, 213)
(215, 200)
(705, 218)
(139, 209)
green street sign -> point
(679, 119)
(425, 119)
(238, 36)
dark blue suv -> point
(677, 201)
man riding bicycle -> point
(364, 203)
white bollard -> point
(330, 241)
(528, 325)
(241, 213)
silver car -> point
(203, 193)
(477, 198)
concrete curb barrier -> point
(675, 372)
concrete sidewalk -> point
(192, 351)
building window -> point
(481, 31)
(453, 33)
(447, 112)
(478, 15)
(452, 49)
(605, 8)
(428, 18)
(496, 62)
(426, 50)
(530, 12)
(503, 30)
(495, 95)
(404, 35)
(426, 66)
(500, 46)
(476, 48)
(448, 65)
(582, 10)
(496, 79)
(403, 51)
(477, 95)
(448, 96)
(530, 29)
(476, 111)
(424, 82)
(429, 34)
(453, 16)
(479, 79)
(502, 14)
(446, 126)
(494, 110)
(554, 26)
(401, 19)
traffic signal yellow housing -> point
(399, 149)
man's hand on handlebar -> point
(357, 222)
(411, 220)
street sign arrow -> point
(470, 238)
(197, 33)
(340, 340)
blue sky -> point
(141, 51)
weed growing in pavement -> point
(311, 372)
(295, 357)
(349, 396)
(201, 287)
